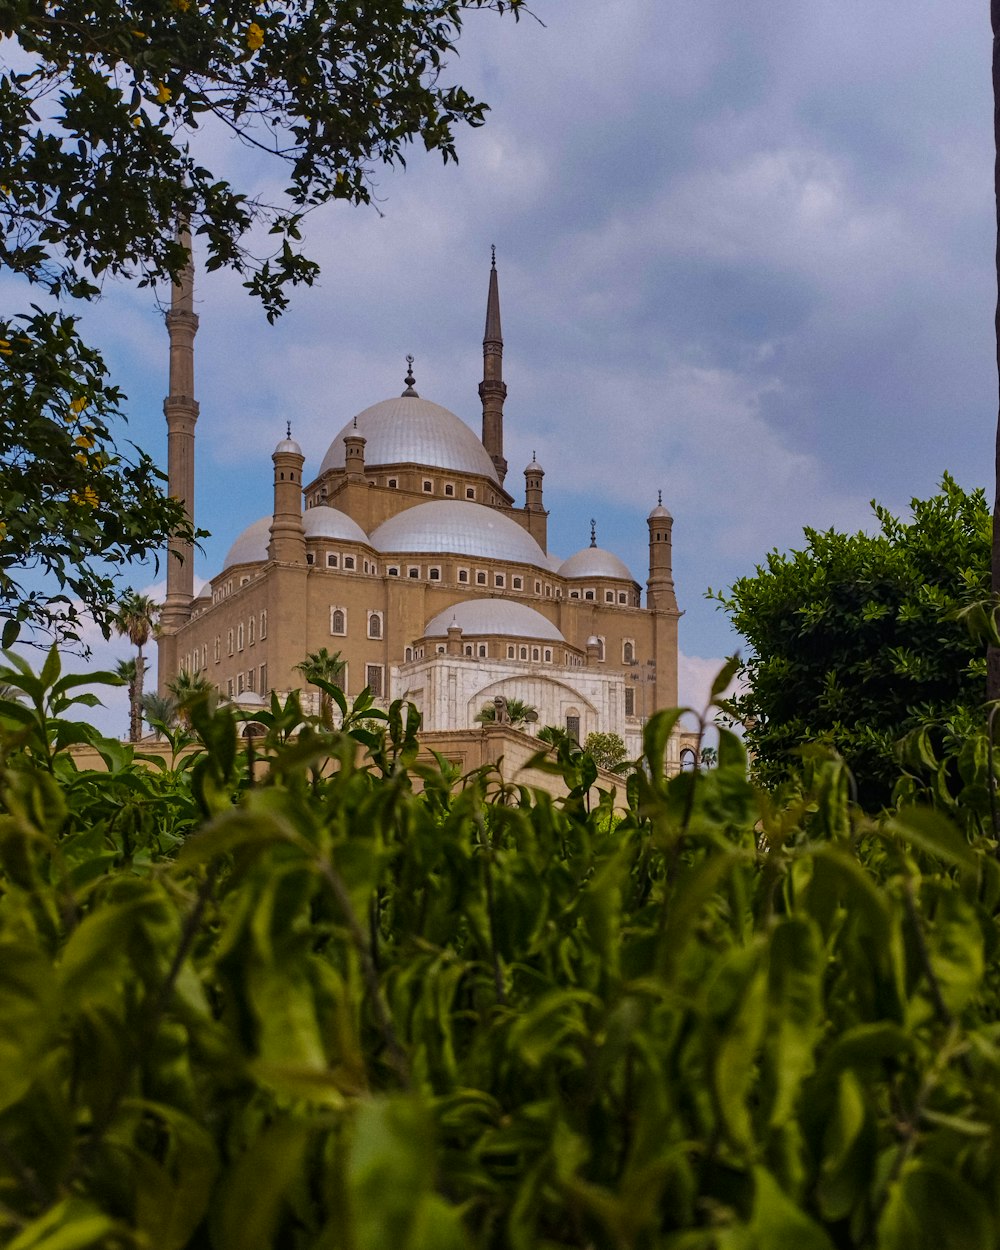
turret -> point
(354, 453)
(660, 594)
(492, 390)
(288, 536)
(538, 518)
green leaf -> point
(932, 1208)
(72, 1224)
(778, 1223)
(933, 832)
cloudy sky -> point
(745, 255)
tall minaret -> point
(181, 410)
(492, 390)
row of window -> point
(254, 679)
(244, 635)
(450, 490)
(466, 577)
(338, 622)
(521, 651)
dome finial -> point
(659, 498)
(288, 429)
(493, 256)
(593, 532)
(409, 379)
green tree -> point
(135, 620)
(520, 713)
(605, 749)
(855, 639)
(100, 109)
(189, 690)
(126, 671)
(159, 709)
(324, 667)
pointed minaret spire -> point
(181, 410)
(492, 390)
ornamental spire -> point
(410, 380)
(492, 390)
(593, 532)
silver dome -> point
(288, 445)
(411, 430)
(456, 527)
(326, 522)
(595, 562)
(494, 616)
(251, 546)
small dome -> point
(494, 616)
(457, 527)
(534, 467)
(595, 562)
(659, 512)
(411, 430)
(251, 546)
(325, 522)
(288, 445)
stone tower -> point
(492, 390)
(181, 411)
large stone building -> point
(407, 552)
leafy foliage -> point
(518, 711)
(101, 105)
(856, 639)
(606, 749)
(327, 997)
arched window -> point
(338, 621)
(374, 624)
(628, 651)
(600, 648)
(263, 624)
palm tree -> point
(159, 709)
(993, 653)
(518, 711)
(327, 667)
(136, 620)
(127, 670)
(189, 689)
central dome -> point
(454, 527)
(411, 430)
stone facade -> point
(407, 555)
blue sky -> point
(745, 254)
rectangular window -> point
(511, 651)
(338, 621)
(588, 594)
(463, 575)
(392, 483)
(348, 562)
(573, 727)
(229, 641)
(517, 583)
(392, 570)
(470, 492)
(413, 571)
(229, 687)
(574, 594)
(332, 560)
(263, 679)
(263, 625)
(204, 655)
(482, 650)
(622, 597)
(538, 588)
(630, 700)
(373, 679)
(548, 655)
(609, 596)
(251, 631)
(239, 683)
(239, 637)
(434, 574)
(449, 489)
(310, 558)
(480, 579)
(251, 678)
(218, 648)
(428, 487)
(499, 579)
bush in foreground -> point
(314, 1008)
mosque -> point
(406, 552)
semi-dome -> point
(457, 527)
(594, 562)
(325, 522)
(251, 546)
(494, 616)
(411, 430)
